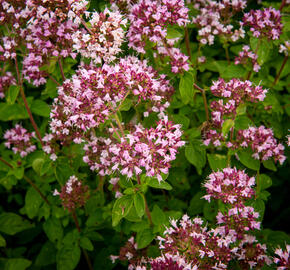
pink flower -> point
(20, 140)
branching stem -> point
(204, 100)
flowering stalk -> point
(146, 205)
(28, 181)
(187, 43)
(20, 84)
(61, 68)
(204, 100)
(256, 51)
(280, 71)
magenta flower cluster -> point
(233, 94)
(94, 94)
(20, 141)
(245, 56)
(214, 20)
(152, 149)
(282, 258)
(264, 23)
(230, 186)
(262, 142)
(6, 79)
(149, 21)
(190, 244)
(74, 194)
(102, 41)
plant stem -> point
(187, 43)
(258, 183)
(115, 131)
(86, 27)
(53, 79)
(227, 54)
(61, 69)
(79, 230)
(148, 212)
(146, 205)
(282, 5)
(256, 50)
(88, 259)
(204, 100)
(281, 69)
(27, 180)
(20, 84)
(119, 125)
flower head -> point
(20, 140)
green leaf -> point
(259, 206)
(11, 223)
(47, 255)
(37, 165)
(217, 162)
(158, 216)
(153, 182)
(269, 164)
(14, 264)
(264, 51)
(247, 160)
(196, 204)
(195, 154)
(243, 122)
(186, 87)
(53, 229)
(10, 112)
(39, 107)
(227, 125)
(68, 257)
(265, 181)
(233, 71)
(2, 241)
(126, 105)
(86, 243)
(12, 94)
(144, 238)
(173, 33)
(139, 203)
(32, 202)
(210, 210)
(18, 172)
(121, 208)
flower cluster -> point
(246, 55)
(234, 93)
(285, 48)
(262, 142)
(152, 149)
(7, 50)
(6, 80)
(264, 23)
(282, 258)
(149, 21)
(20, 140)
(74, 194)
(93, 94)
(214, 19)
(103, 39)
(251, 254)
(229, 185)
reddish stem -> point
(61, 69)
(27, 180)
(20, 84)
(281, 69)
(187, 43)
(204, 100)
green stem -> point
(119, 125)
(146, 205)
